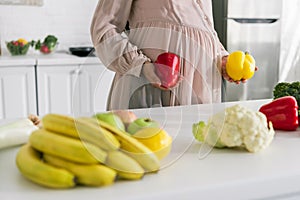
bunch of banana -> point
(32, 167)
(80, 129)
(67, 151)
(54, 160)
(131, 146)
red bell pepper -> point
(167, 69)
(282, 112)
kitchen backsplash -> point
(69, 20)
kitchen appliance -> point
(253, 26)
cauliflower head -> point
(236, 126)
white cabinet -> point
(55, 89)
(91, 89)
(77, 90)
(17, 91)
(56, 83)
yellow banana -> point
(94, 122)
(66, 147)
(90, 175)
(79, 128)
(135, 149)
(31, 166)
(126, 166)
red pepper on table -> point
(167, 69)
(282, 112)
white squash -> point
(16, 132)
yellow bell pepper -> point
(156, 139)
(240, 65)
(22, 40)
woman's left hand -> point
(226, 76)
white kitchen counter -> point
(57, 58)
(7, 61)
(64, 58)
(190, 171)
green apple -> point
(111, 119)
(141, 123)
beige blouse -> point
(156, 26)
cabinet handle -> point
(76, 72)
(254, 20)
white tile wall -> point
(69, 20)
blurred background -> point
(268, 29)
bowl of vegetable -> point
(18, 47)
(48, 45)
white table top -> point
(188, 172)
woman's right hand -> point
(149, 72)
